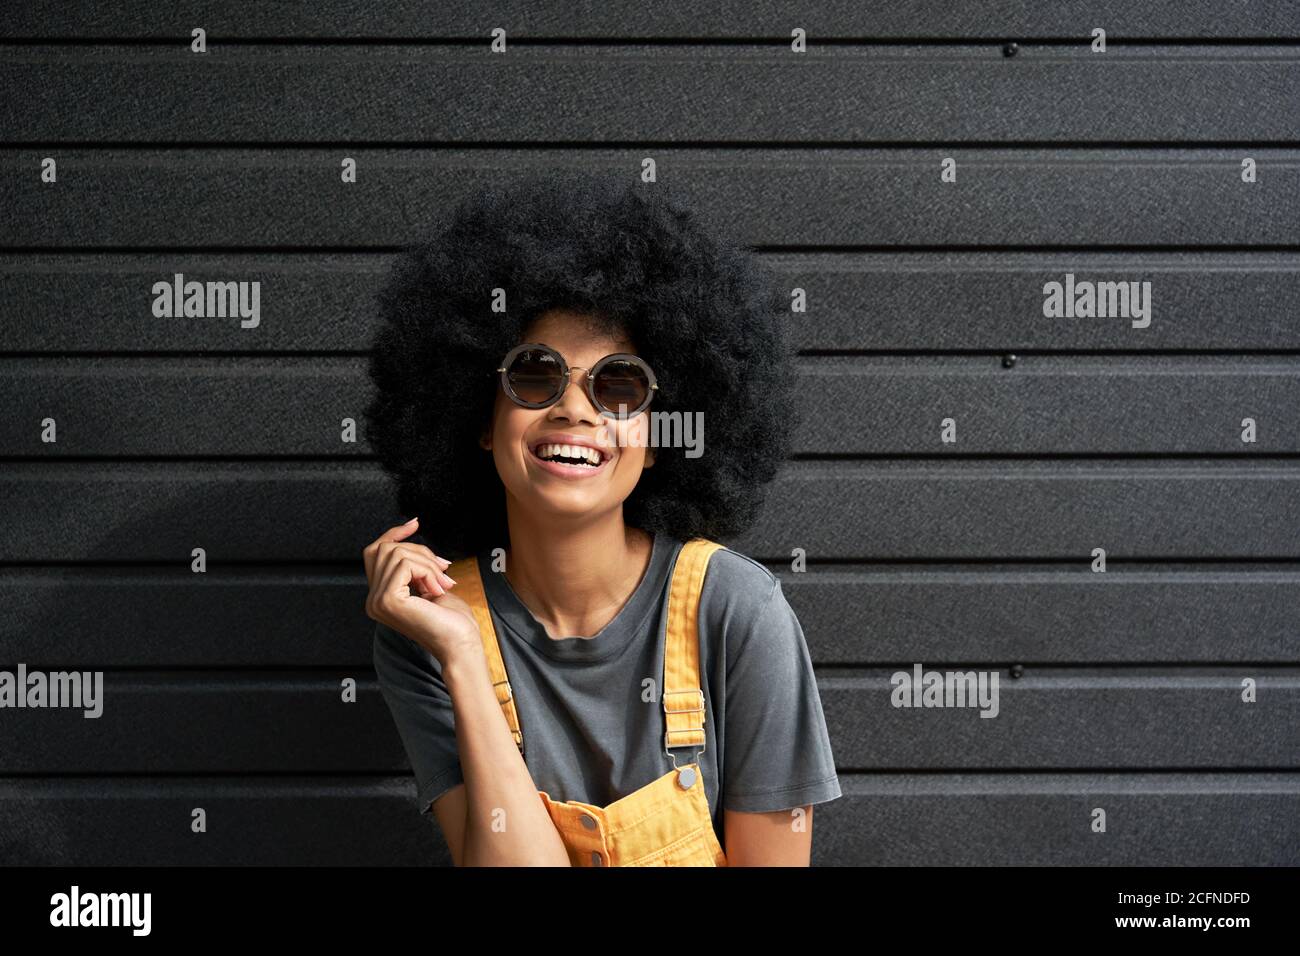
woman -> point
(595, 681)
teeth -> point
(569, 451)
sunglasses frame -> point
(592, 372)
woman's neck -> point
(576, 579)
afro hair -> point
(704, 312)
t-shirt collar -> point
(626, 626)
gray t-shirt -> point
(588, 733)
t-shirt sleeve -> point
(410, 680)
(778, 751)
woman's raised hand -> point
(411, 593)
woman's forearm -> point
(506, 823)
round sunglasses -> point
(620, 385)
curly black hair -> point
(704, 312)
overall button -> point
(588, 822)
(596, 860)
(686, 778)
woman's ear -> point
(485, 440)
(649, 458)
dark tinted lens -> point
(621, 383)
(535, 375)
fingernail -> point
(444, 562)
(411, 521)
(450, 578)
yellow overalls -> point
(666, 822)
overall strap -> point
(683, 699)
(469, 588)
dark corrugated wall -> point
(1119, 691)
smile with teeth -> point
(569, 454)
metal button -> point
(596, 860)
(686, 778)
(588, 822)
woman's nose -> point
(583, 398)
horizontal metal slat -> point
(1191, 819)
(665, 94)
(245, 723)
(744, 19)
(142, 511)
(1073, 615)
(255, 617)
(1005, 510)
(1063, 720)
(881, 820)
(269, 197)
(906, 301)
(254, 821)
(846, 406)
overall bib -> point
(666, 822)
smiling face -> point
(552, 490)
